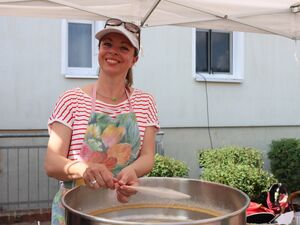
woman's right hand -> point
(97, 175)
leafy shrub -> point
(237, 167)
(285, 162)
(165, 166)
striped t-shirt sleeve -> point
(152, 115)
(64, 110)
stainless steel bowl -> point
(210, 204)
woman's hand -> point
(127, 177)
(97, 176)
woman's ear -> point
(135, 59)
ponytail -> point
(129, 78)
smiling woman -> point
(103, 135)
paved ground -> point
(34, 223)
(26, 217)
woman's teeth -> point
(111, 61)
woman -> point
(103, 135)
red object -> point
(279, 206)
(257, 208)
(257, 213)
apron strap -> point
(128, 98)
(94, 97)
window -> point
(80, 48)
(80, 45)
(218, 56)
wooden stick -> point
(160, 192)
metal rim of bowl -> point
(210, 220)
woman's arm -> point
(144, 163)
(56, 163)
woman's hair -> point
(129, 75)
(129, 78)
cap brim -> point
(121, 30)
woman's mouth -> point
(112, 61)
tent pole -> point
(149, 13)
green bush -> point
(165, 166)
(237, 167)
(285, 162)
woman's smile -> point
(112, 61)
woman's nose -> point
(113, 50)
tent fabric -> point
(264, 16)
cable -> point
(207, 111)
(295, 53)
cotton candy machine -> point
(210, 204)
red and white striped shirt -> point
(73, 109)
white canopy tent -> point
(281, 17)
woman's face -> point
(116, 54)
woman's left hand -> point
(127, 177)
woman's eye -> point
(107, 44)
(124, 48)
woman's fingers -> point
(107, 179)
(124, 189)
(124, 192)
(122, 197)
(97, 176)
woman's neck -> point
(113, 90)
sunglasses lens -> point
(114, 22)
(132, 27)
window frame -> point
(237, 63)
(82, 72)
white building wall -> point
(267, 96)
(30, 68)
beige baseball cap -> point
(132, 37)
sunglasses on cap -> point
(127, 25)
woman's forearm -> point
(143, 165)
(61, 168)
(56, 164)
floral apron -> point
(113, 142)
